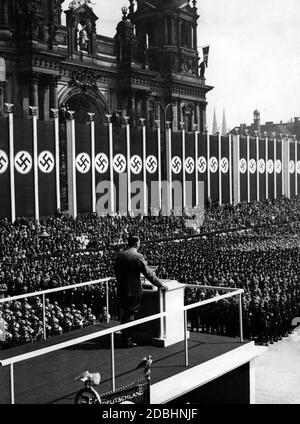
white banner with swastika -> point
(278, 166)
(252, 166)
(270, 166)
(46, 162)
(176, 165)
(298, 167)
(213, 164)
(136, 164)
(262, 166)
(291, 167)
(101, 163)
(189, 165)
(224, 165)
(83, 163)
(120, 163)
(151, 164)
(3, 162)
(243, 165)
(23, 162)
(202, 164)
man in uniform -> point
(128, 268)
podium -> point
(168, 330)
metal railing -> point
(111, 331)
(43, 294)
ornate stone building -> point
(151, 62)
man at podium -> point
(129, 266)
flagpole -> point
(239, 173)
(126, 118)
(73, 163)
(169, 165)
(142, 120)
(267, 171)
(282, 168)
(220, 170)
(111, 163)
(9, 107)
(34, 111)
(157, 123)
(183, 165)
(57, 159)
(257, 169)
(92, 122)
(230, 168)
(296, 160)
(196, 166)
(275, 172)
(248, 169)
(208, 164)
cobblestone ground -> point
(278, 372)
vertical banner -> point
(253, 168)
(47, 167)
(24, 183)
(105, 197)
(214, 168)
(202, 166)
(83, 168)
(224, 167)
(136, 167)
(270, 169)
(262, 168)
(230, 153)
(243, 169)
(298, 166)
(177, 172)
(153, 141)
(120, 167)
(292, 167)
(5, 194)
(189, 166)
(279, 168)
(93, 170)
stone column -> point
(34, 92)
(53, 93)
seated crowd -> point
(260, 256)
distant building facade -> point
(151, 62)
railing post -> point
(12, 384)
(107, 302)
(186, 345)
(44, 316)
(113, 371)
(241, 318)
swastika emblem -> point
(136, 164)
(270, 166)
(252, 166)
(3, 162)
(224, 165)
(46, 162)
(151, 164)
(189, 165)
(23, 162)
(120, 163)
(298, 167)
(278, 166)
(261, 166)
(176, 165)
(292, 166)
(83, 163)
(201, 164)
(213, 164)
(101, 163)
(243, 166)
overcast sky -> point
(254, 55)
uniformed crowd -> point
(261, 256)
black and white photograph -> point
(149, 205)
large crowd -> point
(251, 246)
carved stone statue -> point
(202, 67)
(83, 39)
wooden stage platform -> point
(49, 379)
